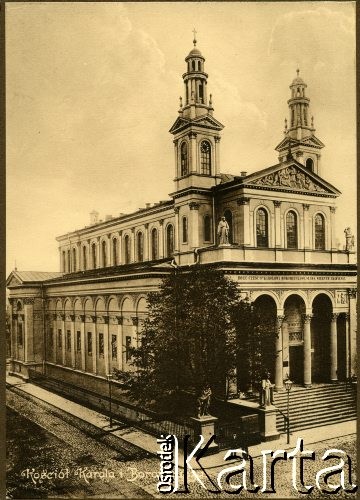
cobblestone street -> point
(41, 441)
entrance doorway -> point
(296, 364)
(320, 330)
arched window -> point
(292, 117)
(74, 259)
(207, 228)
(93, 255)
(127, 249)
(291, 230)
(140, 246)
(154, 244)
(205, 157)
(229, 219)
(68, 261)
(114, 252)
(201, 92)
(262, 237)
(193, 65)
(84, 258)
(103, 254)
(64, 261)
(184, 159)
(169, 240)
(319, 232)
(310, 164)
(184, 230)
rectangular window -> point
(114, 347)
(89, 343)
(101, 344)
(20, 334)
(78, 341)
(60, 339)
(127, 348)
(68, 340)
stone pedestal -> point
(267, 421)
(205, 426)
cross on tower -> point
(194, 41)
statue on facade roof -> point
(349, 239)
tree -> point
(198, 330)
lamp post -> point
(288, 384)
(109, 377)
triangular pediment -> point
(208, 121)
(291, 176)
(205, 121)
(12, 280)
(179, 124)
(310, 141)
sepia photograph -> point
(181, 276)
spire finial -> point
(194, 41)
(297, 72)
(180, 102)
(15, 268)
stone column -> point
(63, 339)
(120, 249)
(347, 345)
(83, 343)
(177, 172)
(278, 242)
(94, 343)
(78, 260)
(286, 356)
(119, 343)
(332, 245)
(55, 336)
(107, 347)
(98, 252)
(333, 347)
(72, 330)
(217, 155)
(279, 354)
(307, 350)
(352, 330)
(193, 160)
(147, 254)
(307, 232)
(132, 245)
(161, 239)
(194, 224)
(29, 330)
(176, 230)
(244, 204)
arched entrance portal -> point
(266, 311)
(293, 338)
(320, 338)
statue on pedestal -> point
(266, 394)
(203, 401)
(349, 239)
(223, 232)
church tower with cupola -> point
(196, 132)
(299, 133)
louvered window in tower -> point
(184, 159)
(319, 232)
(205, 157)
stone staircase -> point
(320, 405)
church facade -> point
(271, 231)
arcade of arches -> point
(312, 343)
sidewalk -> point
(148, 442)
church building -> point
(76, 325)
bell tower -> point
(196, 132)
(299, 132)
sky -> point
(92, 90)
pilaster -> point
(307, 350)
(333, 348)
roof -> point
(23, 277)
